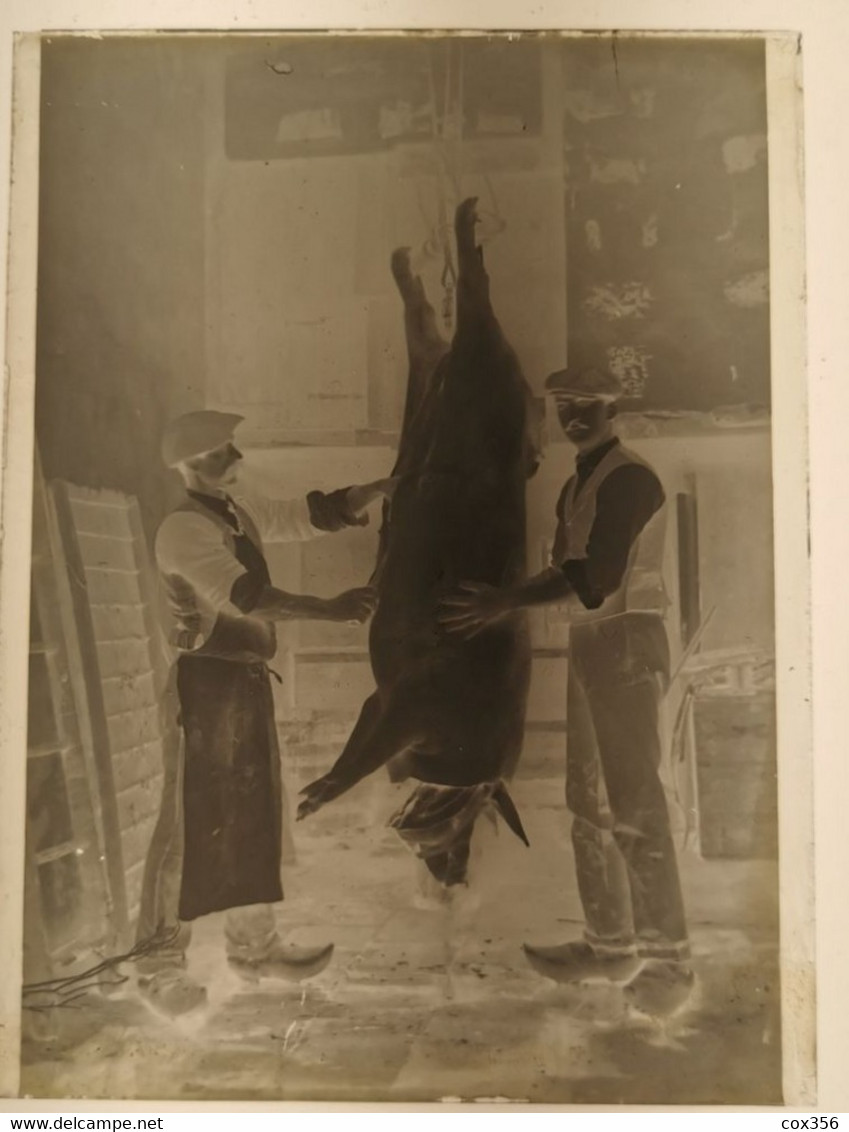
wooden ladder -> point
(73, 907)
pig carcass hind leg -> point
(423, 337)
(425, 350)
(425, 345)
(474, 307)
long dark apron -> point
(231, 788)
(232, 798)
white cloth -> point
(194, 549)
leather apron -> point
(232, 796)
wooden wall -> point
(667, 213)
(121, 253)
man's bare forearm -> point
(277, 605)
(362, 495)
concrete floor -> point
(428, 1005)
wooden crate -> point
(735, 754)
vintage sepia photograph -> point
(401, 711)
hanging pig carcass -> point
(448, 712)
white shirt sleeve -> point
(194, 549)
(280, 520)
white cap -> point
(195, 433)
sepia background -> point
(215, 223)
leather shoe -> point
(172, 992)
(661, 988)
(578, 961)
(283, 961)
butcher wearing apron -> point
(218, 841)
(232, 801)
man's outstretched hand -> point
(355, 605)
(473, 606)
(362, 495)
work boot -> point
(172, 992)
(278, 960)
(661, 988)
(578, 961)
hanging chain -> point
(448, 144)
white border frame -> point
(824, 26)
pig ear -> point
(612, 410)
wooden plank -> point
(85, 671)
(102, 496)
(104, 550)
(37, 965)
(43, 750)
(98, 518)
(55, 852)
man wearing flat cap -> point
(217, 844)
(606, 569)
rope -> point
(64, 991)
(446, 174)
(447, 131)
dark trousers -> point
(624, 852)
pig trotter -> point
(400, 267)
(317, 794)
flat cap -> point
(195, 433)
(584, 383)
